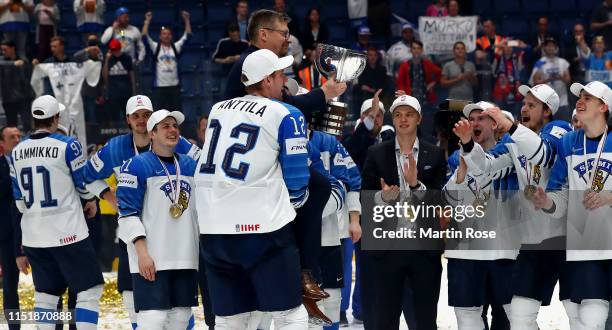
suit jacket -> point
(431, 167)
(307, 103)
(9, 216)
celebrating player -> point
(531, 150)
(108, 161)
(253, 173)
(579, 187)
(47, 172)
(471, 268)
(154, 191)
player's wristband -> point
(551, 210)
(468, 146)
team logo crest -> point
(184, 196)
(601, 174)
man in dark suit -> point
(9, 137)
(269, 30)
(395, 171)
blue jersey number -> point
(28, 184)
(241, 171)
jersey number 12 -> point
(241, 171)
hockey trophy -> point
(347, 65)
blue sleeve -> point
(188, 166)
(131, 187)
(452, 164)
(75, 159)
(187, 148)
(352, 171)
(336, 182)
(99, 166)
(558, 174)
(551, 136)
(16, 190)
(293, 156)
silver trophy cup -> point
(347, 65)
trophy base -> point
(332, 120)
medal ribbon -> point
(600, 145)
(174, 193)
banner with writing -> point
(438, 34)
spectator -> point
(15, 90)
(554, 71)
(47, 14)
(15, 22)
(363, 39)
(437, 9)
(242, 18)
(357, 12)
(373, 78)
(92, 96)
(507, 68)
(58, 52)
(128, 35)
(315, 31)
(308, 76)
(601, 23)
(575, 50)
(89, 16)
(399, 52)
(119, 84)
(537, 40)
(202, 123)
(453, 8)
(229, 49)
(419, 76)
(459, 75)
(490, 42)
(166, 89)
(598, 64)
(281, 7)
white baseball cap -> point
(482, 105)
(138, 102)
(262, 63)
(595, 88)
(543, 93)
(508, 115)
(46, 106)
(406, 100)
(162, 114)
(367, 105)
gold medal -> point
(530, 191)
(175, 211)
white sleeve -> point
(152, 44)
(352, 201)
(130, 228)
(36, 81)
(107, 35)
(96, 187)
(560, 198)
(141, 47)
(92, 72)
(179, 44)
(479, 162)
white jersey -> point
(254, 167)
(47, 173)
(588, 231)
(67, 80)
(532, 157)
(500, 211)
(131, 41)
(144, 196)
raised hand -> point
(148, 16)
(410, 170)
(499, 117)
(463, 130)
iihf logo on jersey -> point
(601, 175)
(184, 196)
